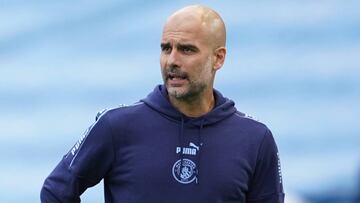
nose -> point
(173, 59)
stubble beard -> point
(192, 90)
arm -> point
(84, 166)
(266, 183)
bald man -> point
(184, 142)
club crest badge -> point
(185, 174)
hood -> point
(158, 101)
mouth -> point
(176, 79)
(176, 76)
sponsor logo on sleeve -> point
(279, 167)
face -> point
(186, 61)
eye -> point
(166, 48)
(187, 50)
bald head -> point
(200, 19)
(192, 51)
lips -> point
(176, 79)
(174, 76)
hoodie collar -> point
(158, 101)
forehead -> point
(185, 29)
(174, 37)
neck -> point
(195, 107)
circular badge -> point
(186, 173)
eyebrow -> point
(163, 45)
(188, 46)
(180, 46)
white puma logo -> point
(188, 150)
(193, 145)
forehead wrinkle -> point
(180, 36)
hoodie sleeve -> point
(266, 184)
(82, 167)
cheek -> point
(162, 65)
(206, 70)
(162, 61)
(196, 66)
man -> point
(185, 142)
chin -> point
(177, 92)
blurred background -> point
(293, 65)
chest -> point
(205, 163)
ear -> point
(219, 55)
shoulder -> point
(120, 111)
(248, 122)
(252, 129)
(122, 115)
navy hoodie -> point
(150, 152)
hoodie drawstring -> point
(181, 140)
(199, 144)
(199, 152)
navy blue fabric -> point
(150, 152)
